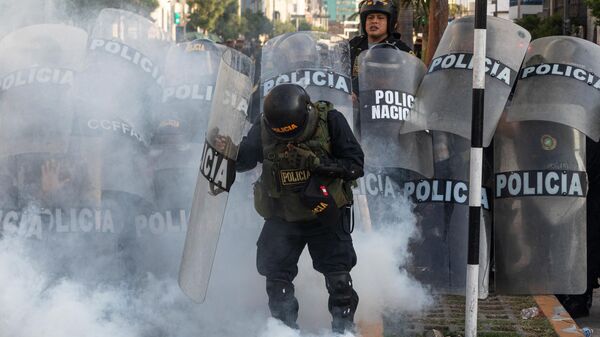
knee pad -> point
(279, 289)
(341, 293)
(339, 285)
(343, 301)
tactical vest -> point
(278, 191)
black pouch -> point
(317, 198)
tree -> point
(229, 25)
(83, 9)
(280, 27)
(304, 26)
(255, 24)
(204, 14)
(594, 6)
(438, 21)
(540, 27)
(456, 10)
(406, 14)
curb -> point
(559, 318)
(370, 328)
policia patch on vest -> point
(293, 177)
(216, 168)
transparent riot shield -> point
(37, 72)
(444, 98)
(317, 61)
(217, 171)
(119, 90)
(567, 69)
(440, 252)
(38, 68)
(179, 123)
(52, 188)
(388, 81)
(540, 209)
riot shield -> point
(317, 61)
(39, 67)
(442, 206)
(567, 68)
(179, 124)
(37, 73)
(541, 180)
(121, 85)
(444, 98)
(388, 81)
(217, 170)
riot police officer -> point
(378, 20)
(310, 158)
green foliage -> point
(594, 5)
(255, 24)
(229, 26)
(81, 9)
(540, 27)
(420, 14)
(204, 14)
(303, 25)
(283, 27)
(456, 10)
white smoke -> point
(36, 301)
(91, 284)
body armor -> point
(285, 174)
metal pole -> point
(476, 166)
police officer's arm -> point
(347, 156)
(250, 153)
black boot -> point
(343, 301)
(577, 305)
(282, 302)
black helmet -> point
(286, 109)
(386, 7)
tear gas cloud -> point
(93, 210)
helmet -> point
(386, 7)
(286, 111)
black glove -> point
(336, 170)
(303, 157)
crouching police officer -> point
(310, 159)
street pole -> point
(476, 166)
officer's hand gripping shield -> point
(179, 123)
(318, 62)
(217, 170)
(540, 170)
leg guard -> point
(282, 302)
(343, 301)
